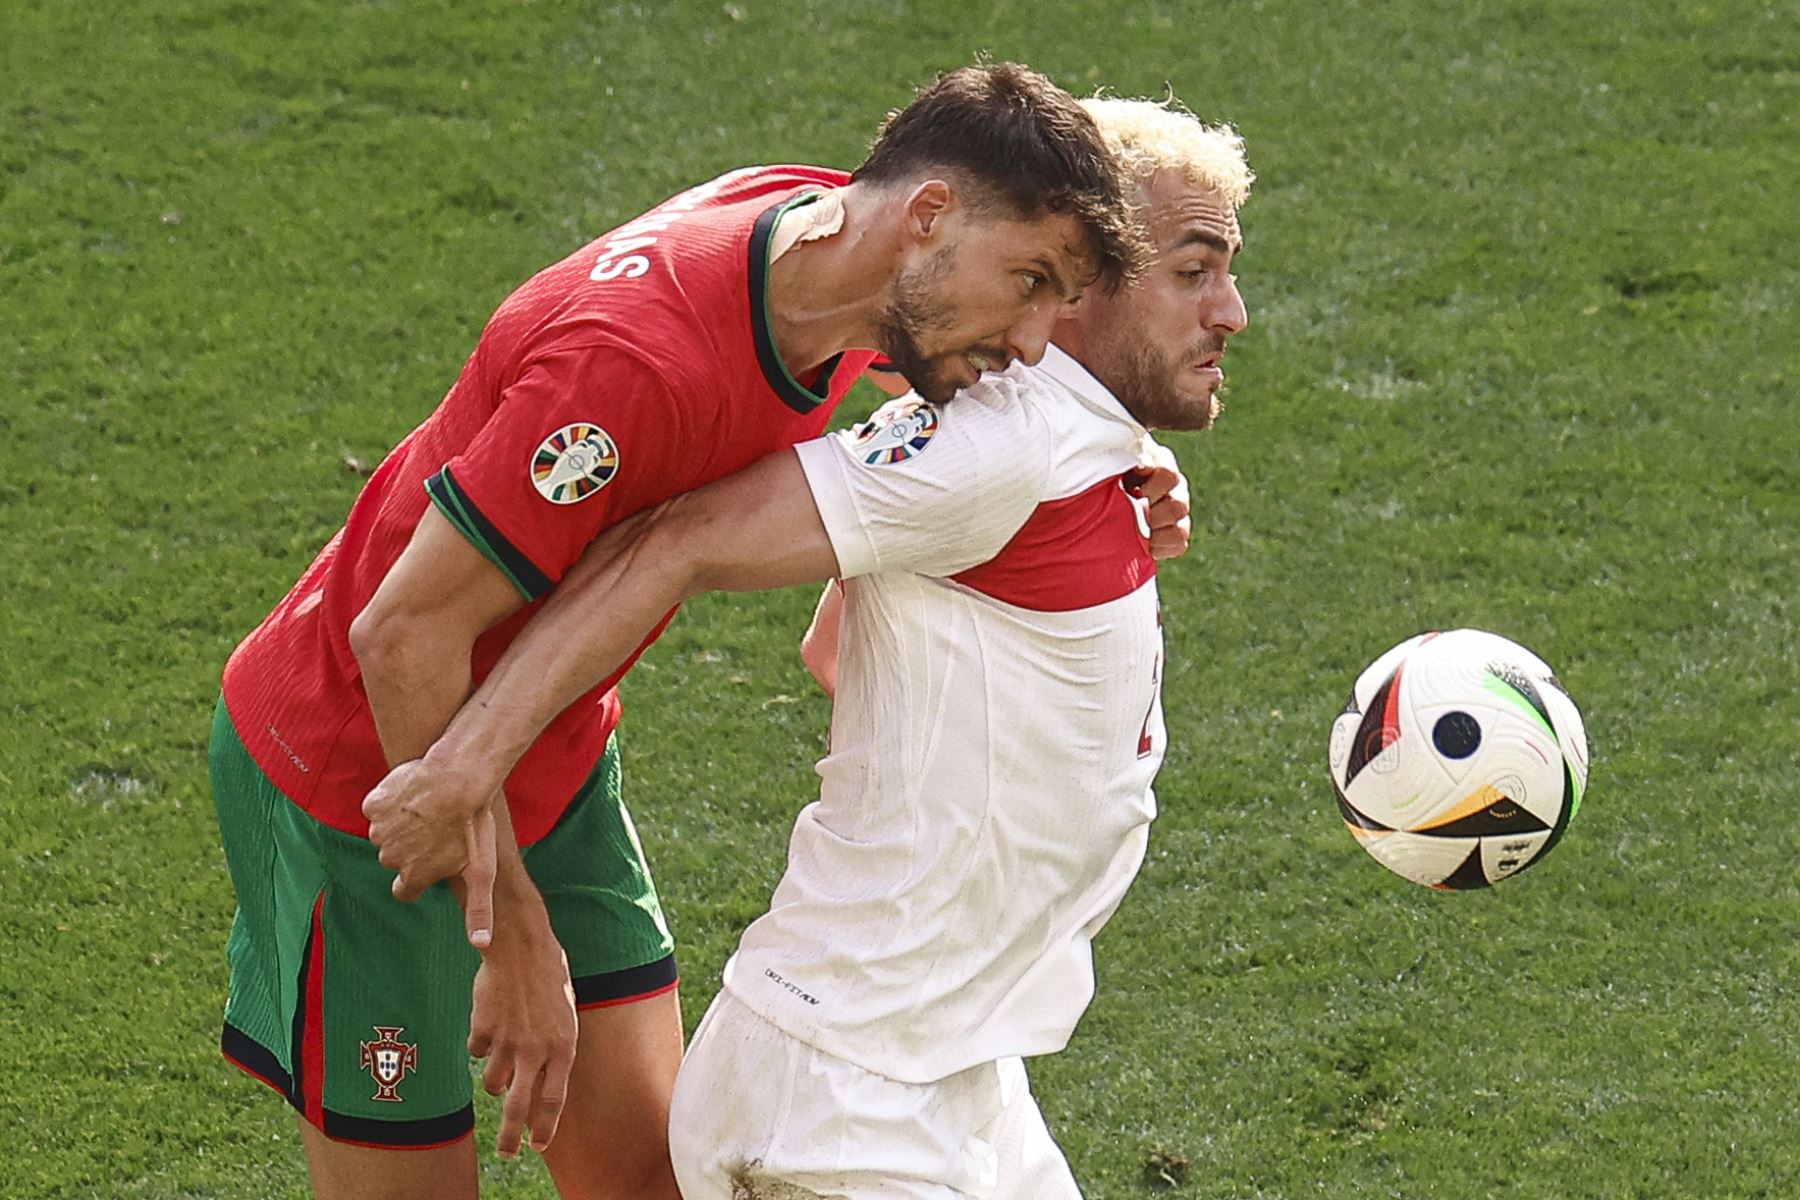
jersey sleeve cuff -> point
(466, 517)
(822, 459)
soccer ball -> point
(1459, 760)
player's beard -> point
(915, 307)
(1147, 382)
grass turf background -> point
(1522, 287)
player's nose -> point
(1030, 335)
(1223, 308)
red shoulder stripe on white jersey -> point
(1078, 552)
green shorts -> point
(355, 1006)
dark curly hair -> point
(1018, 143)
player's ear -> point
(926, 207)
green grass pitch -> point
(1523, 356)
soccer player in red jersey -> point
(688, 343)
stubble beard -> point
(1146, 381)
(915, 307)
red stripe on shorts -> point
(618, 1000)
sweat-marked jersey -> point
(636, 369)
(986, 800)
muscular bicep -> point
(413, 640)
(442, 585)
(751, 531)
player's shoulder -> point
(1014, 401)
(1092, 435)
(771, 183)
(997, 406)
(991, 436)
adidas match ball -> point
(1459, 760)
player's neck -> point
(826, 295)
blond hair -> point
(1148, 136)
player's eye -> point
(1033, 281)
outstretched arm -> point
(753, 530)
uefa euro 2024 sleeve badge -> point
(573, 463)
(896, 434)
(389, 1060)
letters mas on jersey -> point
(896, 433)
(617, 260)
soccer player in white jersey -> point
(994, 655)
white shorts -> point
(758, 1115)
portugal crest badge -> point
(573, 463)
(389, 1060)
(896, 436)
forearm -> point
(519, 912)
(414, 639)
(600, 612)
(756, 529)
(414, 688)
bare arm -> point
(413, 639)
(819, 646)
(756, 529)
(413, 642)
(522, 1013)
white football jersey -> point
(997, 724)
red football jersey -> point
(640, 367)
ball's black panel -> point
(1456, 735)
(1564, 814)
(1469, 875)
(1501, 817)
(1520, 682)
(1355, 816)
(1374, 734)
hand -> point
(1160, 483)
(523, 1023)
(427, 829)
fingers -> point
(536, 1084)
(515, 1113)
(1166, 511)
(502, 1076)
(1169, 543)
(421, 850)
(547, 1104)
(1171, 529)
(478, 880)
(1153, 481)
(413, 872)
(375, 804)
(522, 1020)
